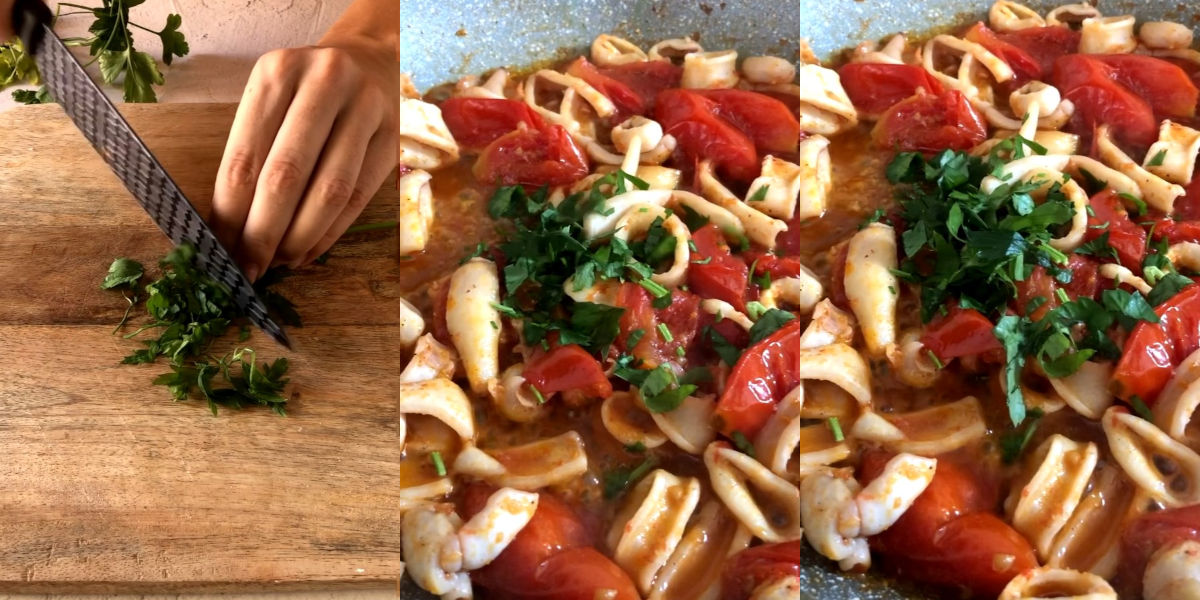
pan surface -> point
(442, 40)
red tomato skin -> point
(1153, 350)
(1085, 277)
(962, 332)
(701, 134)
(1108, 215)
(930, 123)
(1024, 66)
(837, 287)
(1177, 231)
(646, 79)
(680, 317)
(755, 566)
(554, 528)
(578, 574)
(1187, 206)
(762, 376)
(532, 158)
(1044, 44)
(964, 555)
(768, 122)
(723, 276)
(1164, 85)
(568, 368)
(1151, 532)
(627, 101)
(477, 122)
(876, 87)
(1099, 99)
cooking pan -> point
(441, 40)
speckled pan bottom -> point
(441, 40)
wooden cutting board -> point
(105, 483)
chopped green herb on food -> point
(620, 478)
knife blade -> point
(133, 163)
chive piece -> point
(836, 426)
(680, 352)
(654, 288)
(665, 332)
(1140, 408)
(1062, 295)
(438, 465)
(937, 362)
(537, 394)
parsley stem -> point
(665, 333)
(370, 227)
(654, 288)
(438, 465)
(836, 426)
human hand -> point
(312, 141)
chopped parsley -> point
(438, 465)
(742, 444)
(1013, 443)
(836, 427)
(1157, 159)
(620, 478)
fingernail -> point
(252, 273)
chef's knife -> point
(131, 160)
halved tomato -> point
(627, 101)
(533, 158)
(680, 317)
(1108, 215)
(579, 574)
(714, 271)
(477, 122)
(701, 134)
(1024, 66)
(1153, 350)
(752, 567)
(876, 87)
(930, 123)
(767, 121)
(962, 332)
(646, 78)
(1151, 532)
(765, 372)
(1167, 88)
(1099, 99)
(568, 368)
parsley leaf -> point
(620, 478)
(724, 348)
(1157, 159)
(1169, 285)
(1013, 443)
(173, 42)
(246, 381)
(1099, 247)
(743, 444)
(123, 272)
(759, 194)
(769, 323)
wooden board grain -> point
(106, 484)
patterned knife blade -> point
(133, 163)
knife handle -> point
(28, 16)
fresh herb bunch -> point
(967, 246)
(190, 310)
(111, 44)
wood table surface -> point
(106, 484)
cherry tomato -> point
(930, 123)
(1024, 66)
(1085, 277)
(948, 536)
(837, 285)
(755, 566)
(1089, 83)
(627, 101)
(1044, 44)
(714, 272)
(477, 122)
(1039, 284)
(762, 376)
(1177, 231)
(767, 121)
(962, 332)
(701, 134)
(1167, 88)
(553, 529)
(532, 158)
(978, 551)
(1153, 350)
(774, 265)
(578, 574)
(876, 87)
(1187, 206)
(1108, 215)
(680, 317)
(567, 368)
(646, 79)
(1152, 531)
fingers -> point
(289, 165)
(379, 163)
(265, 101)
(333, 183)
